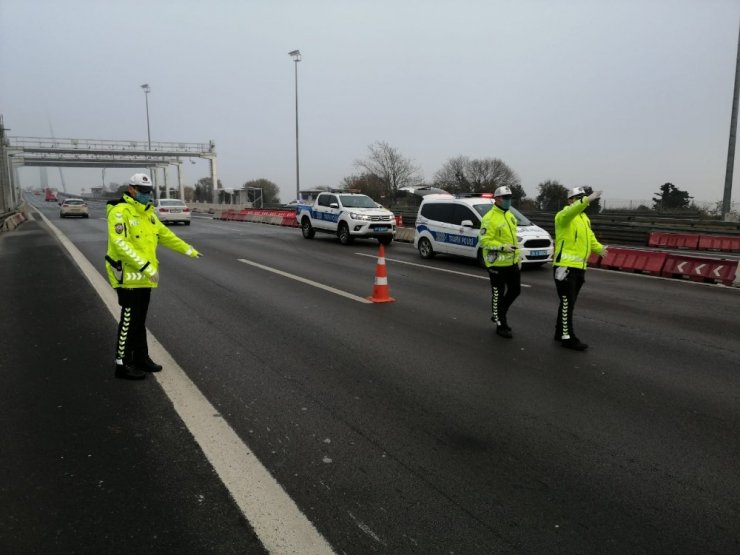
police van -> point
(450, 224)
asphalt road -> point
(409, 427)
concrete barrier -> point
(701, 269)
(12, 222)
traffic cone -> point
(380, 289)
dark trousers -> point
(505, 288)
(568, 289)
(131, 342)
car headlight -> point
(358, 216)
(519, 239)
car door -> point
(463, 239)
(327, 210)
(439, 217)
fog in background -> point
(620, 95)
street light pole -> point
(296, 55)
(727, 195)
(147, 90)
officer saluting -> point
(134, 232)
(574, 243)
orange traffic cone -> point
(380, 289)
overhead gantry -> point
(96, 153)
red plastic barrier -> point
(657, 239)
(682, 241)
(673, 240)
(594, 261)
(290, 221)
(649, 262)
(709, 270)
(719, 243)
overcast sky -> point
(622, 95)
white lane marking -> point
(307, 281)
(476, 276)
(274, 516)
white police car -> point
(450, 224)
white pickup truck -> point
(349, 216)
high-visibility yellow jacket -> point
(134, 232)
(498, 228)
(574, 240)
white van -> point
(451, 225)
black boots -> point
(148, 365)
(129, 372)
(137, 370)
(574, 343)
(502, 330)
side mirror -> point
(334, 205)
(466, 223)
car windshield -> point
(521, 219)
(357, 201)
(168, 202)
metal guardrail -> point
(622, 229)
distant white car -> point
(172, 210)
(74, 207)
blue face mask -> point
(505, 203)
(143, 198)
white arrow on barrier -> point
(698, 268)
(716, 271)
(680, 266)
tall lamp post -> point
(147, 89)
(296, 55)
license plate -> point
(538, 253)
(175, 210)
(381, 229)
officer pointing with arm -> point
(500, 253)
(134, 232)
(574, 243)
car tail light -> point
(163, 210)
(186, 209)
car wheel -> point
(425, 248)
(307, 230)
(385, 241)
(186, 223)
(343, 233)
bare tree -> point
(366, 183)
(452, 176)
(391, 167)
(464, 175)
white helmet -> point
(502, 191)
(576, 192)
(140, 180)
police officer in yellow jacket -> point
(574, 243)
(498, 242)
(134, 231)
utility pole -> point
(733, 130)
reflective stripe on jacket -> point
(498, 228)
(134, 232)
(574, 240)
